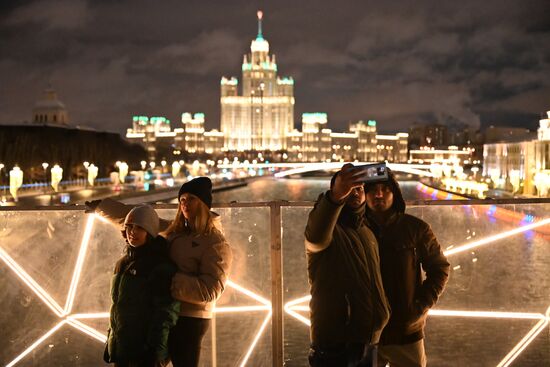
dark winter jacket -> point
(142, 310)
(348, 304)
(408, 246)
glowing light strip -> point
(249, 293)
(256, 338)
(96, 315)
(242, 309)
(291, 306)
(101, 219)
(79, 264)
(31, 283)
(102, 338)
(527, 339)
(36, 344)
(500, 236)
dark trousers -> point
(346, 355)
(184, 341)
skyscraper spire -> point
(260, 16)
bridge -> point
(288, 169)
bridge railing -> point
(56, 264)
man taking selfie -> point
(407, 246)
(348, 307)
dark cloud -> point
(398, 62)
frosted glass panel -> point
(55, 268)
(508, 274)
(55, 271)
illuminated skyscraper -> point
(263, 115)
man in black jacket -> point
(407, 246)
(348, 308)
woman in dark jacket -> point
(142, 310)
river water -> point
(293, 189)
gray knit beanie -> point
(146, 217)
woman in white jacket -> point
(203, 257)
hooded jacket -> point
(407, 248)
(203, 262)
(142, 310)
(348, 304)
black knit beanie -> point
(201, 187)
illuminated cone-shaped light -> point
(92, 174)
(16, 180)
(57, 174)
(175, 169)
(514, 179)
(123, 171)
(195, 168)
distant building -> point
(366, 140)
(520, 166)
(431, 135)
(495, 134)
(263, 115)
(451, 156)
(50, 110)
(392, 148)
(152, 133)
(260, 122)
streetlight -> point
(45, 167)
(143, 165)
(92, 174)
(16, 180)
(86, 165)
(57, 174)
(2, 198)
(175, 169)
(122, 171)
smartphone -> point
(369, 173)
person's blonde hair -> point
(202, 224)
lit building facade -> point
(316, 140)
(193, 128)
(366, 140)
(522, 167)
(263, 115)
(392, 148)
(451, 156)
(151, 132)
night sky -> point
(477, 62)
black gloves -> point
(91, 206)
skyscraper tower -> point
(263, 115)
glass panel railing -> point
(56, 265)
(500, 256)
